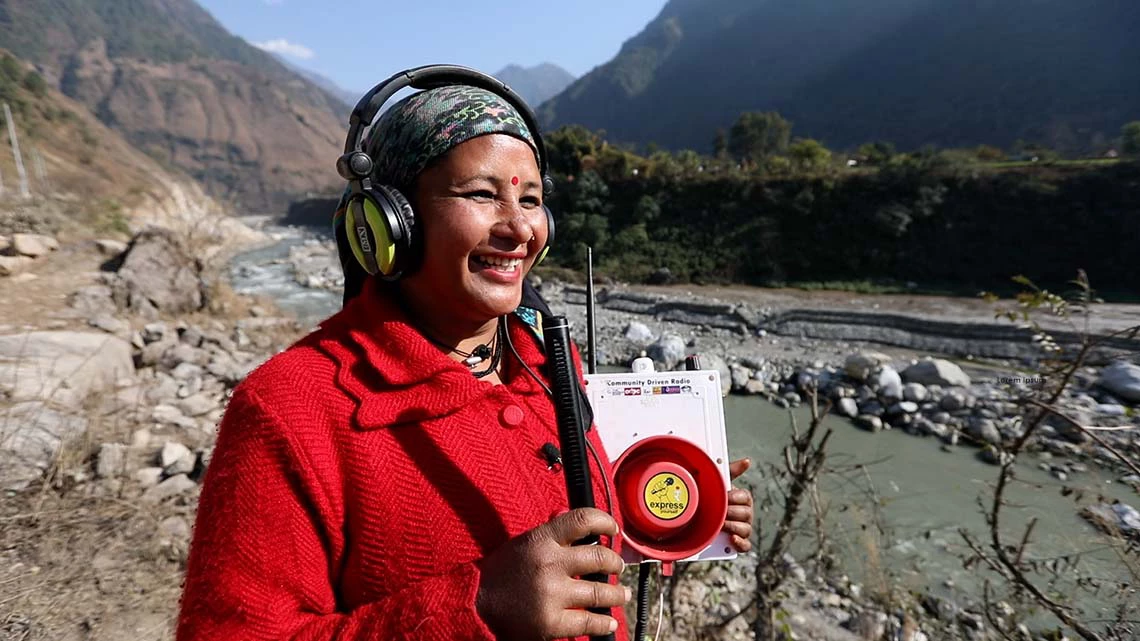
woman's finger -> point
(742, 530)
(739, 497)
(592, 594)
(741, 545)
(579, 623)
(738, 467)
(580, 560)
(740, 513)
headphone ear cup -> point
(549, 237)
(398, 251)
(360, 234)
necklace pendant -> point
(472, 361)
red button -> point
(512, 415)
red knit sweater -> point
(357, 478)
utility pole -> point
(23, 175)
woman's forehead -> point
(495, 155)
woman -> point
(384, 477)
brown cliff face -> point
(247, 137)
(167, 77)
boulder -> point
(148, 477)
(915, 392)
(714, 361)
(33, 245)
(111, 461)
(93, 301)
(110, 248)
(889, 383)
(1115, 519)
(197, 405)
(953, 401)
(171, 487)
(64, 366)
(869, 422)
(860, 365)
(32, 437)
(667, 352)
(158, 274)
(638, 333)
(1122, 379)
(847, 407)
(12, 265)
(754, 387)
(110, 324)
(936, 371)
(740, 376)
(984, 430)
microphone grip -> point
(571, 431)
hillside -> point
(82, 178)
(914, 72)
(168, 77)
(536, 84)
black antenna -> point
(591, 325)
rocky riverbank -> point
(875, 369)
(113, 382)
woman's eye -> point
(480, 195)
(530, 201)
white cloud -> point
(285, 48)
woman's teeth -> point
(500, 264)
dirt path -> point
(40, 301)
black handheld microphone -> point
(571, 431)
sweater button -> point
(511, 416)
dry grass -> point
(84, 559)
(76, 566)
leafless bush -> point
(1023, 579)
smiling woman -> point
(389, 476)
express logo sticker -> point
(666, 496)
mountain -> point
(347, 98)
(536, 84)
(913, 72)
(82, 178)
(177, 85)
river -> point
(924, 494)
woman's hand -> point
(738, 522)
(528, 591)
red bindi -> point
(514, 180)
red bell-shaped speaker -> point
(672, 496)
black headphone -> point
(379, 221)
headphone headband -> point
(430, 77)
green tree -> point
(808, 154)
(756, 135)
(664, 164)
(876, 153)
(566, 147)
(1130, 138)
(689, 160)
(647, 209)
(34, 83)
(11, 68)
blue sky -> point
(357, 43)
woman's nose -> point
(519, 225)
